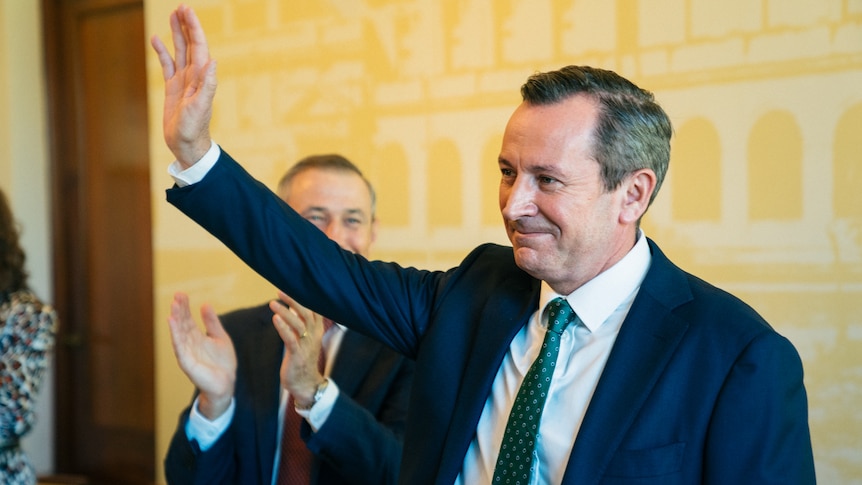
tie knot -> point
(560, 315)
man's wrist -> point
(211, 407)
(194, 174)
(304, 404)
(207, 432)
(196, 153)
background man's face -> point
(337, 202)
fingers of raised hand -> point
(178, 34)
(165, 59)
(197, 41)
(190, 43)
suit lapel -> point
(504, 314)
(647, 340)
(265, 386)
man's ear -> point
(639, 187)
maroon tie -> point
(294, 467)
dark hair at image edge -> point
(13, 276)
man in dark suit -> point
(353, 418)
(660, 377)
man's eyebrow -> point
(356, 211)
(550, 169)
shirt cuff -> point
(319, 413)
(204, 431)
(196, 172)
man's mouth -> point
(516, 227)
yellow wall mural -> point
(762, 196)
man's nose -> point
(337, 233)
(518, 200)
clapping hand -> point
(208, 359)
(302, 333)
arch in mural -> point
(775, 168)
(695, 166)
(390, 174)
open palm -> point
(208, 359)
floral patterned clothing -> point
(27, 329)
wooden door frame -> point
(69, 186)
(60, 80)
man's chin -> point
(528, 259)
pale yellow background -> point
(766, 98)
(763, 196)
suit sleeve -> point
(363, 447)
(186, 464)
(759, 432)
(383, 300)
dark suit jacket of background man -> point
(697, 388)
(374, 382)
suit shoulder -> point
(725, 319)
(490, 257)
(699, 302)
(714, 299)
(487, 264)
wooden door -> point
(95, 66)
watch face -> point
(320, 389)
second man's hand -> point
(208, 359)
(302, 333)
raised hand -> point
(190, 85)
(208, 359)
(302, 333)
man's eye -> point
(546, 180)
(319, 221)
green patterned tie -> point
(515, 463)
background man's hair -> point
(328, 161)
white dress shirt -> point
(601, 305)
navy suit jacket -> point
(360, 442)
(697, 388)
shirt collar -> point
(597, 299)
